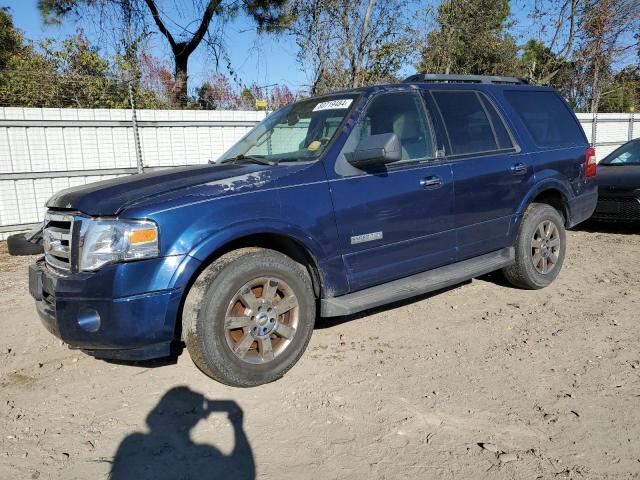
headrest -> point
(406, 125)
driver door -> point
(396, 220)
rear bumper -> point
(133, 327)
(581, 207)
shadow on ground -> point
(167, 451)
(330, 322)
(620, 228)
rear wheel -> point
(540, 248)
(249, 317)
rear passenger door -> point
(490, 175)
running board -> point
(418, 284)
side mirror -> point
(375, 150)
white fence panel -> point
(611, 130)
(43, 150)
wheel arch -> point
(285, 244)
(556, 199)
(551, 192)
(210, 250)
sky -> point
(263, 59)
(260, 58)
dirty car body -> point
(393, 227)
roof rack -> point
(437, 78)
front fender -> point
(216, 240)
(331, 268)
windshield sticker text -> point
(333, 104)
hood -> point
(109, 197)
(619, 177)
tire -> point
(247, 289)
(534, 247)
(18, 245)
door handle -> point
(518, 168)
(431, 182)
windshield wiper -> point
(250, 158)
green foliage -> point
(53, 10)
(341, 44)
(142, 15)
(71, 73)
(10, 39)
(602, 26)
(471, 37)
(622, 94)
(540, 66)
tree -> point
(622, 94)
(217, 94)
(547, 58)
(281, 96)
(541, 66)
(20, 65)
(470, 37)
(268, 15)
(348, 43)
(579, 45)
(11, 40)
(70, 73)
(604, 26)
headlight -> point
(105, 241)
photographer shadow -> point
(167, 451)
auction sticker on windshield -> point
(333, 104)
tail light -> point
(590, 163)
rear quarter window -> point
(547, 118)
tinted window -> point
(547, 118)
(499, 129)
(467, 123)
(402, 114)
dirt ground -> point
(479, 381)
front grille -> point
(56, 238)
(618, 208)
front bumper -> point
(137, 326)
(617, 208)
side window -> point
(402, 114)
(468, 125)
(499, 129)
(628, 154)
(547, 118)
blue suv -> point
(330, 206)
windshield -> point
(297, 132)
(628, 154)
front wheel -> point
(540, 248)
(249, 317)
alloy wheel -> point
(545, 247)
(261, 320)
